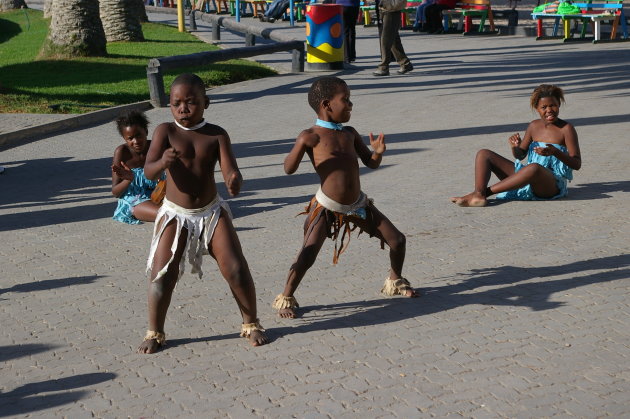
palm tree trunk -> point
(48, 6)
(12, 4)
(140, 10)
(120, 20)
(75, 30)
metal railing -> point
(157, 66)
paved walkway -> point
(525, 312)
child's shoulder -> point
(164, 127)
(350, 129)
(561, 123)
(121, 152)
(308, 131)
(214, 129)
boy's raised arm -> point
(306, 139)
(153, 165)
(229, 168)
(371, 159)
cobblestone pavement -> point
(525, 312)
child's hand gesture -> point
(122, 171)
(378, 144)
(233, 183)
(169, 156)
(515, 140)
(548, 150)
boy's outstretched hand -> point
(122, 171)
(378, 144)
(233, 183)
(169, 156)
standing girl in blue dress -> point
(552, 150)
(129, 184)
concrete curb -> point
(15, 138)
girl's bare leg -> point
(542, 180)
(486, 163)
(161, 291)
(226, 249)
(394, 239)
(146, 211)
(314, 237)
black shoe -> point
(381, 73)
(406, 69)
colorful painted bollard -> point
(324, 37)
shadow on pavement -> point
(29, 398)
(56, 216)
(42, 183)
(49, 284)
(535, 295)
(20, 351)
(497, 129)
(52, 181)
(597, 190)
(245, 207)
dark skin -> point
(548, 129)
(129, 156)
(189, 157)
(334, 155)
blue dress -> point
(561, 172)
(139, 191)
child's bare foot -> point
(255, 333)
(258, 338)
(473, 199)
(411, 293)
(153, 342)
(400, 287)
(287, 313)
(286, 306)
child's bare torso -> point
(551, 133)
(335, 160)
(191, 177)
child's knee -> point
(533, 169)
(161, 287)
(305, 260)
(234, 269)
(484, 153)
(399, 242)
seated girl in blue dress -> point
(552, 150)
(129, 184)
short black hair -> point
(190, 80)
(130, 118)
(324, 88)
(546, 90)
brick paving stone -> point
(525, 311)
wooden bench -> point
(607, 11)
(467, 10)
(258, 6)
(410, 9)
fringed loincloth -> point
(200, 224)
(340, 219)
